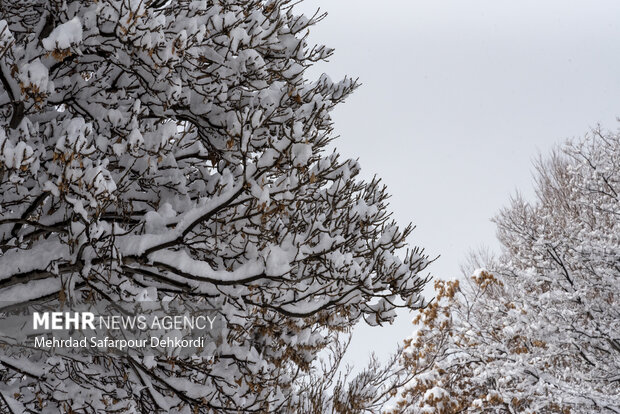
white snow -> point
(39, 257)
(35, 74)
(64, 35)
(300, 154)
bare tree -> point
(176, 149)
(539, 330)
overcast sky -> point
(458, 98)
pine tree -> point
(176, 149)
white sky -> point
(458, 98)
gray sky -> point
(458, 98)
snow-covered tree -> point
(539, 331)
(175, 148)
